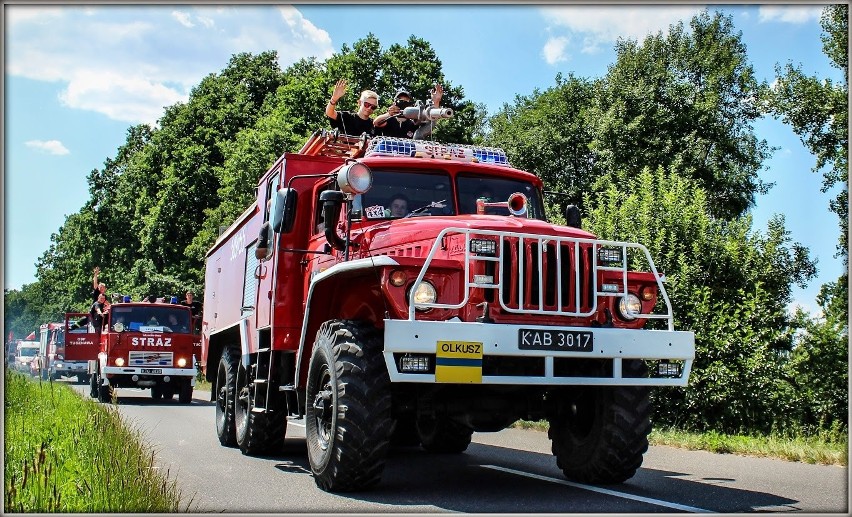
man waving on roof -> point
(392, 123)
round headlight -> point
(425, 293)
(119, 361)
(355, 178)
(629, 307)
(181, 362)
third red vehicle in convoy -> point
(67, 355)
(465, 312)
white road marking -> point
(599, 490)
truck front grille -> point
(142, 358)
(550, 276)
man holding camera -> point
(392, 123)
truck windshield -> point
(400, 193)
(396, 194)
(28, 352)
(149, 319)
(495, 190)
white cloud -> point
(49, 146)
(554, 50)
(604, 25)
(789, 13)
(128, 62)
(183, 18)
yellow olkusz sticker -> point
(458, 361)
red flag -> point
(30, 336)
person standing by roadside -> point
(352, 123)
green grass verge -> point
(70, 455)
(807, 449)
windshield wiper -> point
(433, 204)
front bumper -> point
(70, 367)
(145, 376)
(501, 342)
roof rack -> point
(335, 144)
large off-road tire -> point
(599, 433)
(156, 392)
(226, 382)
(348, 407)
(257, 432)
(442, 435)
(185, 394)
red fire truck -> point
(144, 345)
(71, 352)
(467, 313)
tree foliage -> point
(684, 100)
(548, 133)
(818, 111)
(730, 286)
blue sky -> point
(76, 77)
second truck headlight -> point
(629, 307)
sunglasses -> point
(370, 106)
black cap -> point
(401, 92)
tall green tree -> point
(547, 133)
(729, 285)
(819, 366)
(818, 111)
(188, 157)
(684, 99)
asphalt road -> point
(511, 471)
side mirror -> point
(572, 216)
(331, 201)
(283, 210)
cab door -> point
(265, 269)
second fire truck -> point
(144, 345)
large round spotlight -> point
(355, 178)
(119, 361)
(181, 362)
(629, 307)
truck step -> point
(262, 350)
(261, 410)
(260, 381)
(288, 387)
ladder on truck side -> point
(266, 387)
(335, 144)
